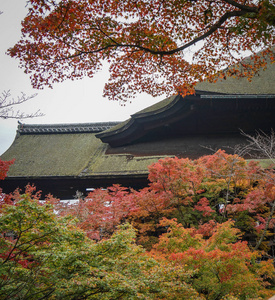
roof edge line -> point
(137, 118)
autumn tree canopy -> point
(152, 46)
(43, 256)
(209, 224)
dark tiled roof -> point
(202, 105)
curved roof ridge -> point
(159, 114)
(157, 110)
(154, 109)
(64, 128)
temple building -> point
(63, 159)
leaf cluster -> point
(151, 46)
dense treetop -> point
(207, 225)
(149, 44)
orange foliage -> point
(4, 167)
(146, 43)
(100, 212)
(199, 194)
(222, 265)
(202, 251)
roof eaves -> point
(147, 112)
(136, 119)
(116, 129)
(239, 96)
(97, 175)
(152, 110)
(157, 108)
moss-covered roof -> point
(156, 108)
(74, 150)
(261, 83)
(69, 155)
(120, 164)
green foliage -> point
(200, 249)
(50, 258)
(222, 266)
(37, 235)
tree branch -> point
(7, 104)
(115, 44)
(242, 6)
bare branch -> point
(7, 104)
(239, 149)
(262, 144)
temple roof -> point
(244, 95)
(201, 113)
(49, 151)
(185, 127)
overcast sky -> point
(68, 102)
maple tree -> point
(152, 46)
(49, 258)
(45, 255)
(222, 265)
(100, 212)
(4, 167)
(201, 192)
(198, 193)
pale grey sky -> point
(68, 102)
